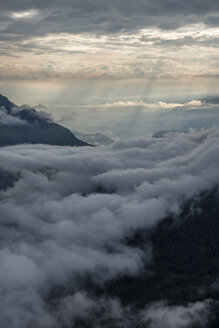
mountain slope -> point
(24, 125)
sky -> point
(78, 57)
(128, 69)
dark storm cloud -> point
(104, 16)
(69, 215)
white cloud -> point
(28, 14)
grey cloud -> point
(106, 17)
(156, 315)
(71, 212)
(191, 115)
(10, 120)
(161, 315)
(188, 41)
(95, 138)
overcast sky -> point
(79, 52)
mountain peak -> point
(4, 102)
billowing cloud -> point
(160, 315)
(9, 120)
(67, 221)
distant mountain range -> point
(95, 138)
(166, 133)
(20, 125)
(211, 100)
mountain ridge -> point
(20, 125)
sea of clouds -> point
(68, 217)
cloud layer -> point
(104, 17)
(72, 40)
(68, 218)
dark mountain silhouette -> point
(26, 125)
(166, 133)
(211, 100)
(185, 260)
